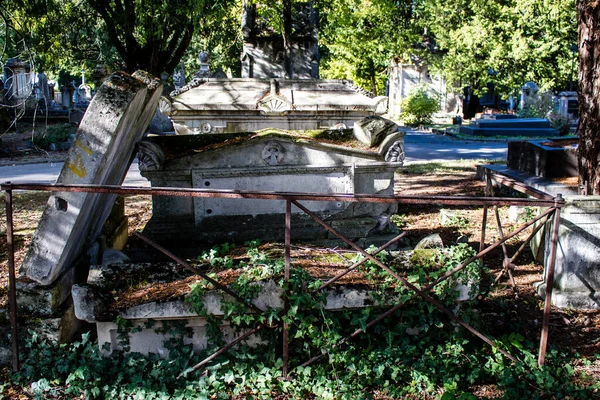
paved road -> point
(420, 147)
(48, 172)
(426, 147)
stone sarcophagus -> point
(273, 161)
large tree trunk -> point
(287, 38)
(588, 18)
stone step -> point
(516, 132)
(513, 123)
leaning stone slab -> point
(372, 130)
(577, 268)
(101, 154)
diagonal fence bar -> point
(405, 282)
(432, 284)
(541, 200)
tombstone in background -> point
(179, 78)
(17, 80)
(529, 92)
(67, 92)
(84, 89)
(568, 105)
(43, 90)
(262, 54)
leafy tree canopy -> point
(361, 37)
(505, 42)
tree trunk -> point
(373, 83)
(287, 33)
(588, 18)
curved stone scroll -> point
(150, 156)
(396, 152)
(392, 148)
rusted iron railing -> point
(540, 200)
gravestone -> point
(17, 80)
(262, 53)
(179, 79)
(43, 89)
(568, 105)
(529, 92)
(67, 91)
(101, 154)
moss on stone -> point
(426, 258)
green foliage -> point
(560, 122)
(538, 106)
(401, 220)
(506, 43)
(418, 108)
(58, 133)
(359, 39)
(415, 352)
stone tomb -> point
(216, 105)
(577, 268)
(93, 304)
(551, 158)
(272, 161)
(509, 127)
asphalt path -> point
(48, 172)
(419, 147)
(427, 147)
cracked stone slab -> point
(101, 154)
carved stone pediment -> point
(274, 104)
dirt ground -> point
(573, 330)
(15, 148)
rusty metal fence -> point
(535, 199)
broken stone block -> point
(372, 130)
(101, 154)
(433, 241)
(449, 217)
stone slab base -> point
(147, 340)
(578, 300)
(61, 328)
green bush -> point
(539, 106)
(58, 133)
(560, 122)
(418, 107)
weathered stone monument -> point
(17, 81)
(102, 152)
(404, 78)
(270, 161)
(529, 92)
(262, 54)
(568, 105)
(577, 268)
(264, 97)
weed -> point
(434, 359)
(401, 220)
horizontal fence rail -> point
(539, 199)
